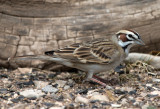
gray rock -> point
(40, 84)
(149, 85)
(66, 87)
(57, 97)
(3, 91)
(31, 93)
(25, 70)
(69, 96)
(99, 97)
(136, 103)
(145, 106)
(124, 101)
(70, 81)
(60, 83)
(116, 105)
(109, 87)
(49, 88)
(155, 80)
(57, 107)
(80, 99)
(155, 93)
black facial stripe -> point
(131, 36)
(129, 40)
(125, 47)
(137, 34)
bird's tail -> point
(33, 57)
(48, 56)
(49, 53)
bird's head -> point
(128, 38)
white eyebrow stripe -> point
(129, 32)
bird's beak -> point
(140, 42)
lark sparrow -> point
(98, 55)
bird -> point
(97, 55)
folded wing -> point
(97, 51)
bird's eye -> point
(130, 35)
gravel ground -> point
(135, 87)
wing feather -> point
(97, 51)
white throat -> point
(126, 45)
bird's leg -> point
(90, 77)
(99, 78)
(98, 81)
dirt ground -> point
(137, 86)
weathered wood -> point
(30, 27)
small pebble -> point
(70, 106)
(93, 107)
(80, 99)
(3, 91)
(25, 84)
(99, 97)
(48, 104)
(57, 107)
(116, 105)
(119, 69)
(82, 91)
(51, 76)
(57, 97)
(124, 101)
(50, 89)
(69, 96)
(155, 93)
(59, 103)
(133, 101)
(82, 105)
(131, 98)
(133, 92)
(60, 83)
(3, 76)
(149, 85)
(33, 98)
(150, 88)
(93, 101)
(155, 80)
(21, 97)
(143, 94)
(25, 70)
(136, 103)
(32, 93)
(105, 103)
(109, 87)
(66, 87)
(70, 82)
(14, 100)
(63, 75)
(40, 84)
(120, 92)
(145, 106)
